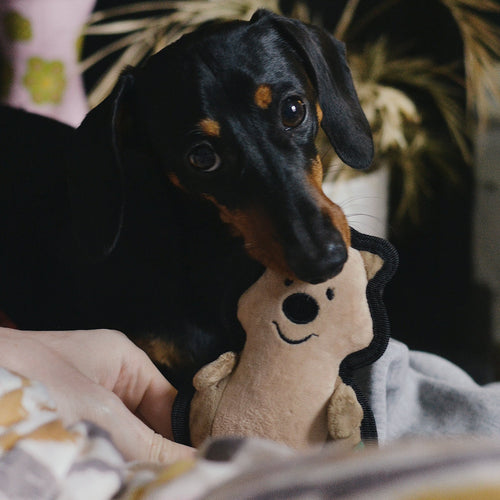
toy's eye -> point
(330, 294)
(293, 112)
(203, 157)
(288, 282)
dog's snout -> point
(318, 264)
(300, 308)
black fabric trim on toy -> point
(381, 335)
(180, 415)
(374, 294)
(381, 325)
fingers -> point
(157, 398)
(137, 381)
(164, 451)
(81, 369)
(135, 440)
(111, 360)
(98, 354)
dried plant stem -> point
(146, 35)
(345, 19)
(111, 48)
(370, 17)
(135, 52)
(387, 82)
(119, 27)
(482, 50)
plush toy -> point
(285, 384)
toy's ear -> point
(95, 175)
(373, 263)
(344, 122)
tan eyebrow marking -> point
(263, 96)
(210, 127)
(175, 180)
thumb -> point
(164, 451)
(137, 441)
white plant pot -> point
(364, 199)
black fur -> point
(95, 233)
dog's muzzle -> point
(316, 263)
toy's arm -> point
(344, 414)
(209, 383)
(215, 371)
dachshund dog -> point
(198, 171)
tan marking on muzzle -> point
(210, 127)
(263, 96)
(319, 113)
(327, 206)
(317, 172)
(258, 235)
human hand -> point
(101, 376)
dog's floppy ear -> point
(344, 122)
(95, 172)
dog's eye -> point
(293, 112)
(203, 157)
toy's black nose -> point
(300, 308)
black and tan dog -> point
(163, 206)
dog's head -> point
(230, 114)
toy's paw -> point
(209, 382)
(345, 414)
(215, 371)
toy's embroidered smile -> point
(291, 341)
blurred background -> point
(428, 77)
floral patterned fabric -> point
(40, 44)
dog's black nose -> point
(300, 308)
(325, 262)
(334, 258)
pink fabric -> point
(40, 42)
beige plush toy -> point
(285, 384)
